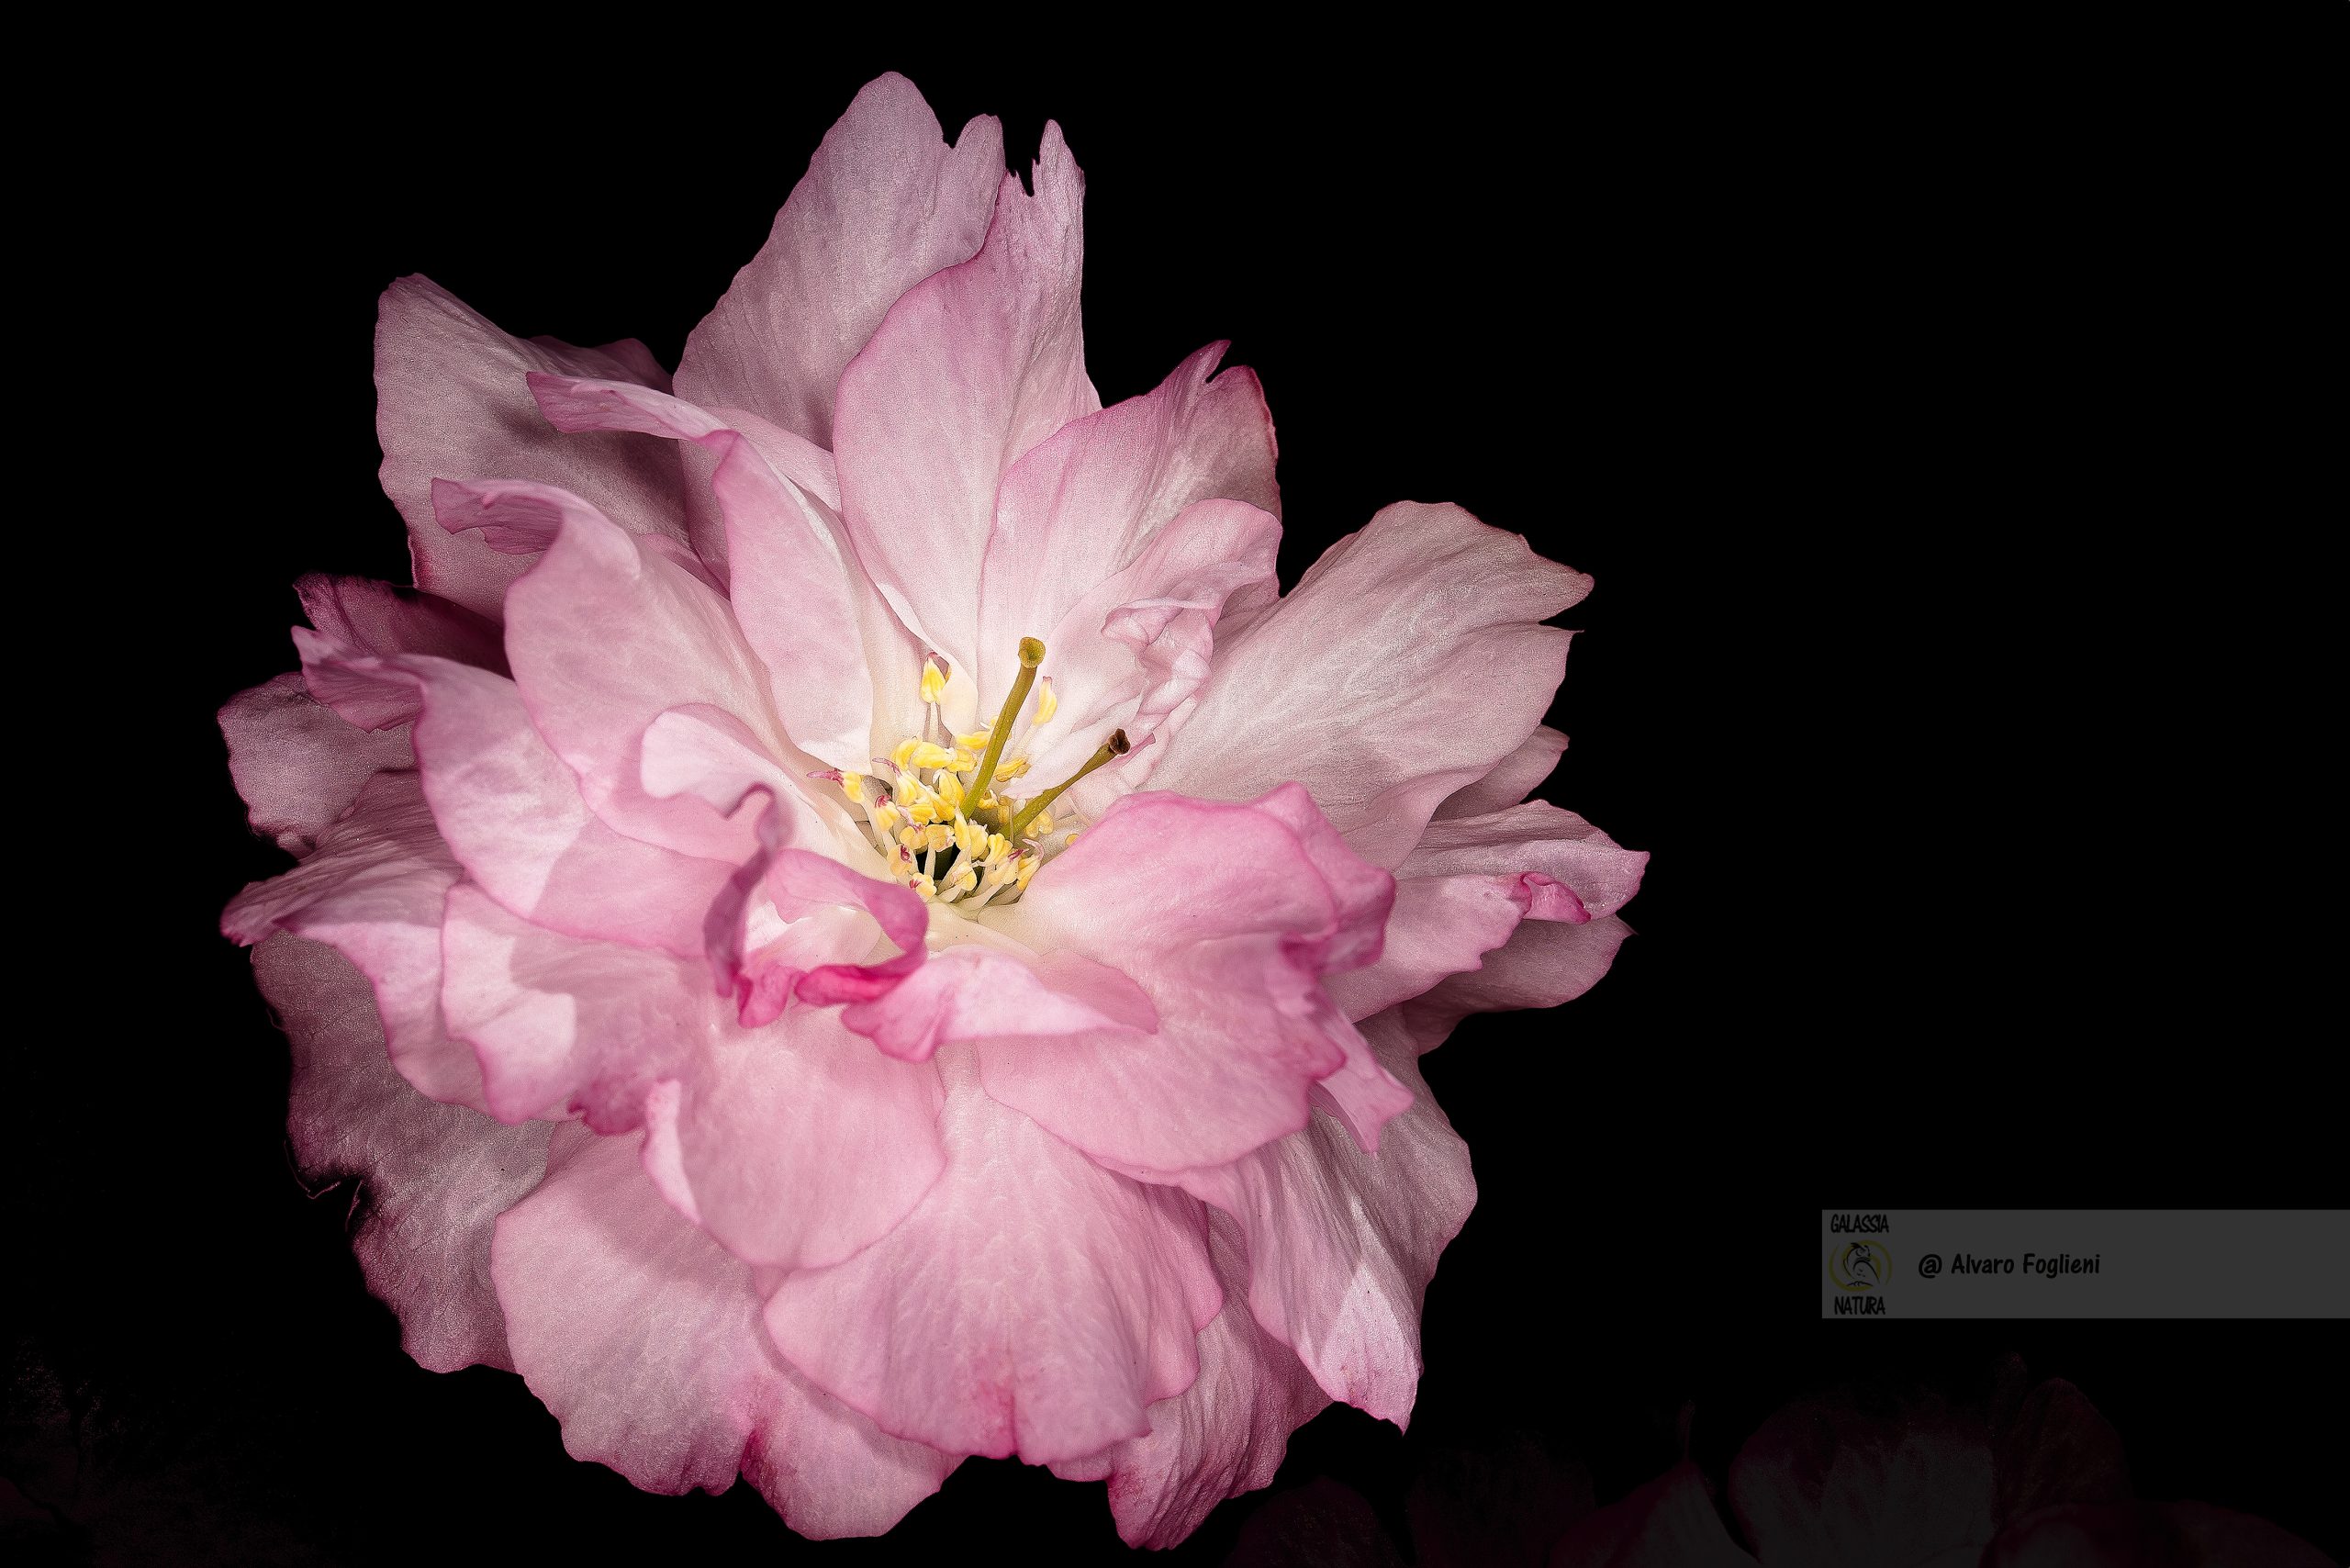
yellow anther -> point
(977, 741)
(937, 837)
(1016, 768)
(853, 783)
(998, 846)
(962, 880)
(1028, 871)
(934, 680)
(950, 794)
(1043, 826)
(970, 839)
(922, 885)
(902, 753)
(886, 817)
(1047, 703)
(927, 753)
(925, 810)
(912, 837)
(963, 761)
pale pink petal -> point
(1543, 964)
(1408, 663)
(1669, 1523)
(451, 403)
(643, 1337)
(1222, 1436)
(794, 1145)
(1032, 1304)
(1227, 917)
(844, 673)
(605, 635)
(1132, 653)
(373, 891)
(1465, 887)
(296, 763)
(429, 1179)
(512, 814)
(885, 203)
(970, 992)
(1341, 1244)
(1083, 506)
(2148, 1535)
(1512, 778)
(970, 369)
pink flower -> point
(884, 937)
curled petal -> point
(298, 762)
(451, 403)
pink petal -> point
(1669, 1523)
(605, 635)
(1084, 505)
(298, 762)
(1543, 964)
(1341, 1244)
(429, 1178)
(1032, 1304)
(1227, 918)
(844, 673)
(1406, 663)
(1464, 888)
(1132, 653)
(1512, 778)
(970, 369)
(451, 403)
(374, 890)
(2148, 1535)
(1222, 1436)
(794, 1145)
(643, 1337)
(885, 203)
(511, 812)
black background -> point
(1839, 360)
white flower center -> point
(937, 810)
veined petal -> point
(971, 368)
(298, 762)
(844, 672)
(1512, 780)
(451, 403)
(1083, 506)
(433, 1178)
(1424, 632)
(1227, 918)
(1341, 1244)
(885, 203)
(643, 1337)
(1032, 1304)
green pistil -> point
(1116, 746)
(1032, 654)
